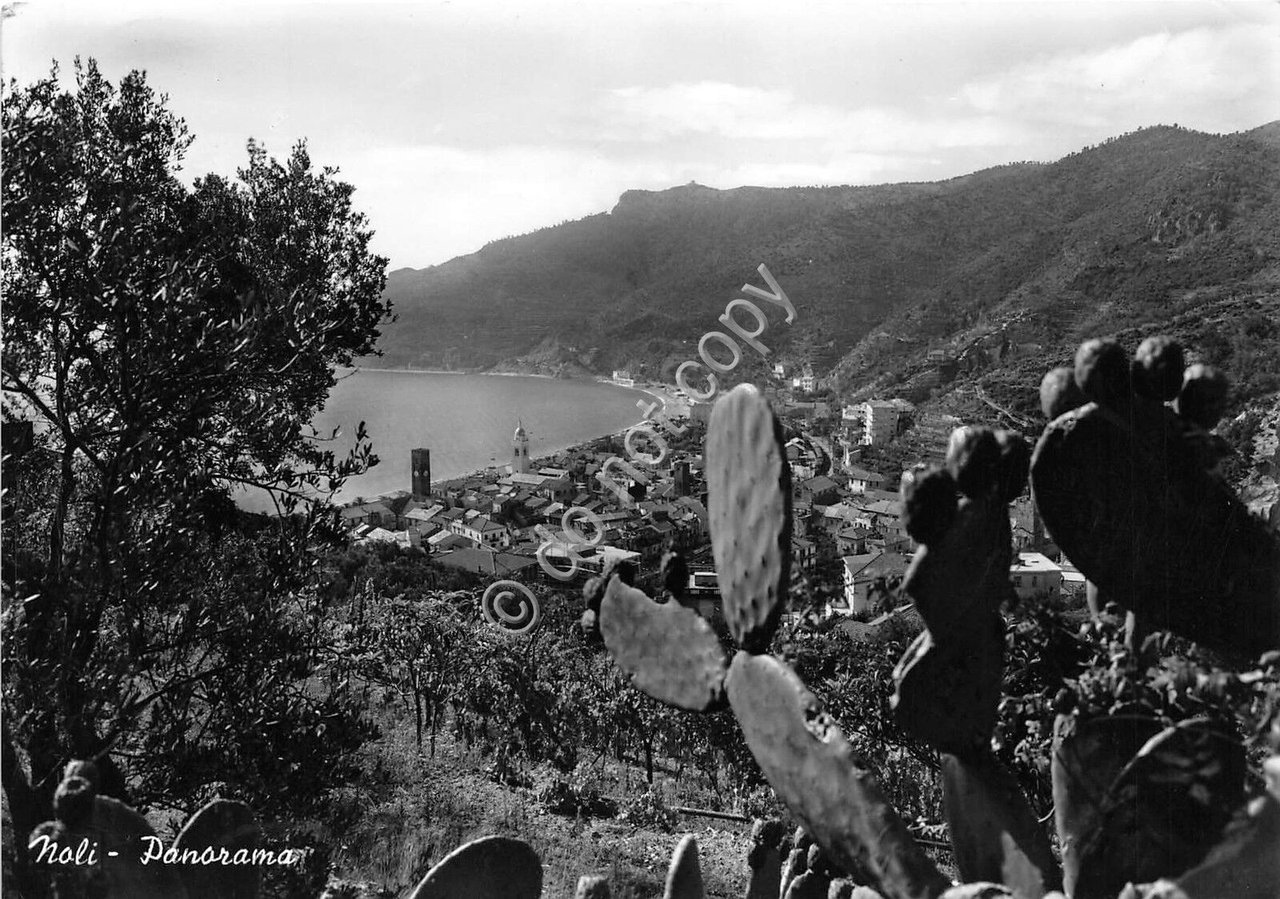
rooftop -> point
(1034, 563)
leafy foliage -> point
(171, 345)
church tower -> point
(520, 451)
(420, 470)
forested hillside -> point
(1164, 227)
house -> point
(904, 621)
(382, 535)
(702, 594)
(851, 540)
(372, 514)
(421, 522)
(820, 491)
(1073, 580)
(803, 553)
(504, 505)
(415, 512)
(483, 531)
(488, 562)
(535, 506)
(1035, 576)
(879, 422)
(445, 541)
(896, 542)
(866, 578)
(524, 479)
(592, 558)
(841, 515)
(806, 382)
(861, 480)
(1028, 528)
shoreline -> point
(432, 371)
(662, 394)
(663, 401)
(668, 403)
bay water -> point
(466, 420)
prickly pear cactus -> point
(749, 502)
(1125, 478)
(592, 886)
(125, 858)
(948, 683)
(995, 835)
(765, 859)
(1135, 800)
(684, 877)
(487, 868)
(670, 651)
(115, 834)
(222, 823)
(1246, 864)
(801, 751)
(1127, 488)
(816, 772)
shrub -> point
(650, 811)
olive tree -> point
(170, 344)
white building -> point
(1035, 576)
(482, 531)
(806, 382)
(520, 450)
(879, 422)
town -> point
(848, 535)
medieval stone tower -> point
(420, 468)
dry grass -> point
(415, 810)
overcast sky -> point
(462, 122)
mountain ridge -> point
(1109, 237)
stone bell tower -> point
(520, 450)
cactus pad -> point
(670, 651)
(592, 886)
(749, 500)
(994, 832)
(984, 890)
(118, 828)
(765, 859)
(948, 694)
(487, 868)
(1119, 781)
(1131, 500)
(814, 770)
(684, 877)
(221, 823)
(962, 570)
(1246, 865)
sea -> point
(466, 420)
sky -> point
(465, 122)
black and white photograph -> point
(479, 449)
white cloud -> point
(1209, 78)
(741, 113)
(430, 203)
